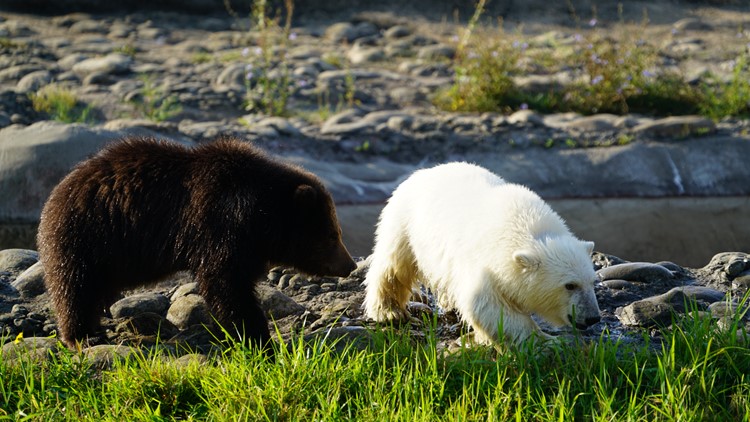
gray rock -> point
(523, 117)
(595, 123)
(616, 284)
(148, 324)
(736, 265)
(68, 61)
(346, 32)
(645, 313)
(184, 290)
(30, 283)
(114, 63)
(276, 304)
(233, 76)
(692, 24)
(279, 124)
(89, 26)
(33, 81)
(677, 127)
(32, 348)
(341, 338)
(139, 303)
(189, 310)
(397, 31)
(436, 51)
(681, 296)
(644, 272)
(14, 73)
(659, 310)
(337, 124)
(722, 309)
(742, 281)
(102, 356)
(16, 261)
(359, 55)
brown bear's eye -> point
(570, 286)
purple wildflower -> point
(593, 22)
(597, 79)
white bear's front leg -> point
(488, 313)
(389, 281)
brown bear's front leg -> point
(234, 304)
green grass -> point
(153, 103)
(60, 104)
(697, 373)
(613, 73)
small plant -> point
(152, 102)
(60, 104)
(268, 81)
(732, 98)
(607, 77)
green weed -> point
(268, 81)
(153, 103)
(609, 75)
(60, 104)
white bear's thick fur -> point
(494, 251)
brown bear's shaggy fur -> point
(143, 209)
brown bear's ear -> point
(305, 194)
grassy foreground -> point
(697, 373)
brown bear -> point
(142, 209)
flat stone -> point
(139, 303)
(644, 272)
(115, 63)
(677, 127)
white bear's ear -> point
(528, 260)
(589, 246)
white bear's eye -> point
(571, 286)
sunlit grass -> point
(60, 104)
(698, 372)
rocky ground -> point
(362, 84)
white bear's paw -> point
(385, 314)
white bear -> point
(494, 251)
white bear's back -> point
(460, 218)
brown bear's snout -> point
(343, 264)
